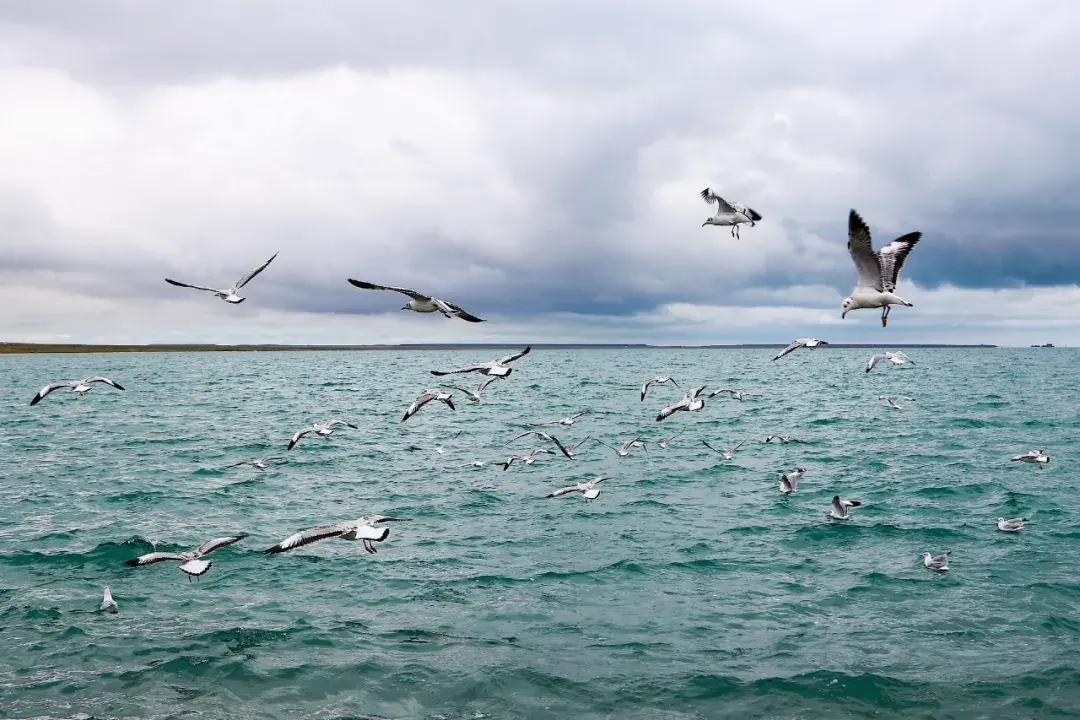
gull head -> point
(847, 305)
(406, 307)
(926, 556)
(710, 221)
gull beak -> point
(704, 223)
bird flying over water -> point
(789, 482)
(548, 437)
(878, 272)
(323, 429)
(363, 529)
(840, 507)
(425, 397)
(896, 358)
(228, 294)
(492, 368)
(1036, 457)
(658, 380)
(691, 402)
(735, 394)
(811, 343)
(588, 490)
(729, 213)
(727, 454)
(259, 465)
(419, 302)
(190, 561)
(79, 386)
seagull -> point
(659, 380)
(840, 507)
(728, 454)
(735, 394)
(108, 604)
(1038, 457)
(425, 397)
(190, 561)
(664, 443)
(229, 294)
(324, 428)
(440, 449)
(811, 343)
(895, 405)
(939, 563)
(420, 302)
(570, 450)
(546, 436)
(475, 463)
(80, 386)
(894, 358)
(568, 421)
(588, 490)
(783, 440)
(471, 395)
(492, 368)
(732, 214)
(789, 482)
(1013, 525)
(877, 272)
(691, 402)
(527, 459)
(624, 450)
(362, 529)
(258, 464)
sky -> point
(537, 163)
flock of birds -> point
(877, 276)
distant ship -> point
(1046, 345)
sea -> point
(691, 588)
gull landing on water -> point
(190, 561)
(733, 214)
(1037, 457)
(259, 464)
(323, 429)
(79, 386)
(939, 562)
(659, 380)
(878, 271)
(840, 507)
(493, 368)
(363, 529)
(228, 294)
(691, 402)
(727, 454)
(420, 302)
(588, 490)
(108, 604)
(425, 397)
(789, 482)
(1013, 525)
(811, 343)
(896, 358)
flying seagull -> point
(440, 449)
(567, 421)
(894, 358)
(80, 386)
(474, 396)
(789, 482)
(659, 380)
(588, 490)
(811, 343)
(108, 604)
(527, 459)
(895, 405)
(939, 563)
(1036, 457)
(735, 394)
(664, 443)
(728, 454)
(840, 507)
(783, 440)
(546, 436)
(492, 368)
(420, 302)
(324, 428)
(228, 294)
(190, 561)
(1013, 525)
(733, 214)
(362, 529)
(691, 402)
(878, 271)
(624, 449)
(570, 450)
(425, 397)
(259, 464)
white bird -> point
(363, 529)
(895, 404)
(840, 507)
(733, 214)
(939, 563)
(323, 429)
(789, 482)
(878, 271)
(624, 449)
(1013, 525)
(568, 421)
(727, 454)
(691, 402)
(259, 464)
(79, 386)
(588, 490)
(548, 437)
(1036, 457)
(492, 368)
(735, 394)
(811, 343)
(190, 561)
(108, 604)
(527, 459)
(440, 449)
(419, 302)
(570, 450)
(658, 380)
(424, 398)
(475, 463)
(664, 443)
(228, 294)
(470, 394)
(783, 440)
(894, 358)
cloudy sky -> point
(538, 163)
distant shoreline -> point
(34, 348)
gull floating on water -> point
(492, 368)
(789, 482)
(939, 563)
(363, 529)
(420, 302)
(735, 394)
(190, 561)
(811, 343)
(425, 397)
(727, 454)
(108, 604)
(893, 404)
(878, 271)
(664, 443)
(527, 459)
(1036, 457)
(259, 464)
(624, 449)
(729, 213)
(658, 380)
(1013, 525)
(895, 358)
(228, 294)
(783, 440)
(588, 490)
(79, 386)
(840, 507)
(548, 437)
(323, 429)
(691, 402)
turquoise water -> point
(689, 589)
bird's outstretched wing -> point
(463, 314)
(43, 392)
(713, 199)
(308, 536)
(100, 379)
(151, 558)
(511, 358)
(177, 283)
(404, 291)
(892, 257)
(862, 252)
(789, 349)
(217, 543)
(247, 278)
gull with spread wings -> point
(729, 213)
(491, 368)
(190, 561)
(228, 294)
(79, 386)
(362, 529)
(878, 272)
(419, 302)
